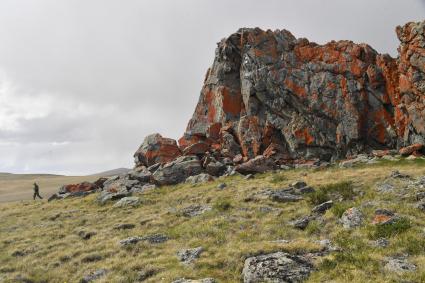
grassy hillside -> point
(16, 187)
(43, 242)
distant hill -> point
(112, 172)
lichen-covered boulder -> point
(156, 149)
(269, 93)
(276, 267)
(178, 170)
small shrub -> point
(412, 245)
(222, 205)
(391, 229)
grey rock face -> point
(277, 267)
(352, 218)
(188, 256)
(177, 170)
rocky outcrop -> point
(269, 93)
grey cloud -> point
(135, 67)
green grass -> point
(233, 230)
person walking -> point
(36, 191)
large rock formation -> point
(273, 98)
(268, 92)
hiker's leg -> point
(38, 194)
(35, 194)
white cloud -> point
(16, 105)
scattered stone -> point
(397, 174)
(188, 256)
(195, 210)
(155, 238)
(301, 223)
(112, 195)
(205, 280)
(127, 201)
(299, 184)
(283, 196)
(130, 241)
(351, 218)
(420, 195)
(410, 149)
(399, 265)
(199, 179)
(421, 205)
(94, 276)
(361, 158)
(385, 187)
(91, 258)
(259, 164)
(124, 226)
(249, 177)
(276, 267)
(221, 186)
(321, 208)
(384, 216)
(381, 243)
(86, 235)
(142, 275)
(215, 168)
(327, 245)
(177, 170)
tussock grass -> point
(48, 233)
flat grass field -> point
(42, 242)
(16, 187)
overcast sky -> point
(83, 81)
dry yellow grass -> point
(47, 233)
(16, 187)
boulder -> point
(410, 149)
(301, 223)
(156, 149)
(205, 280)
(352, 218)
(399, 265)
(321, 208)
(94, 276)
(195, 210)
(199, 179)
(76, 188)
(127, 201)
(188, 256)
(259, 164)
(276, 267)
(177, 171)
